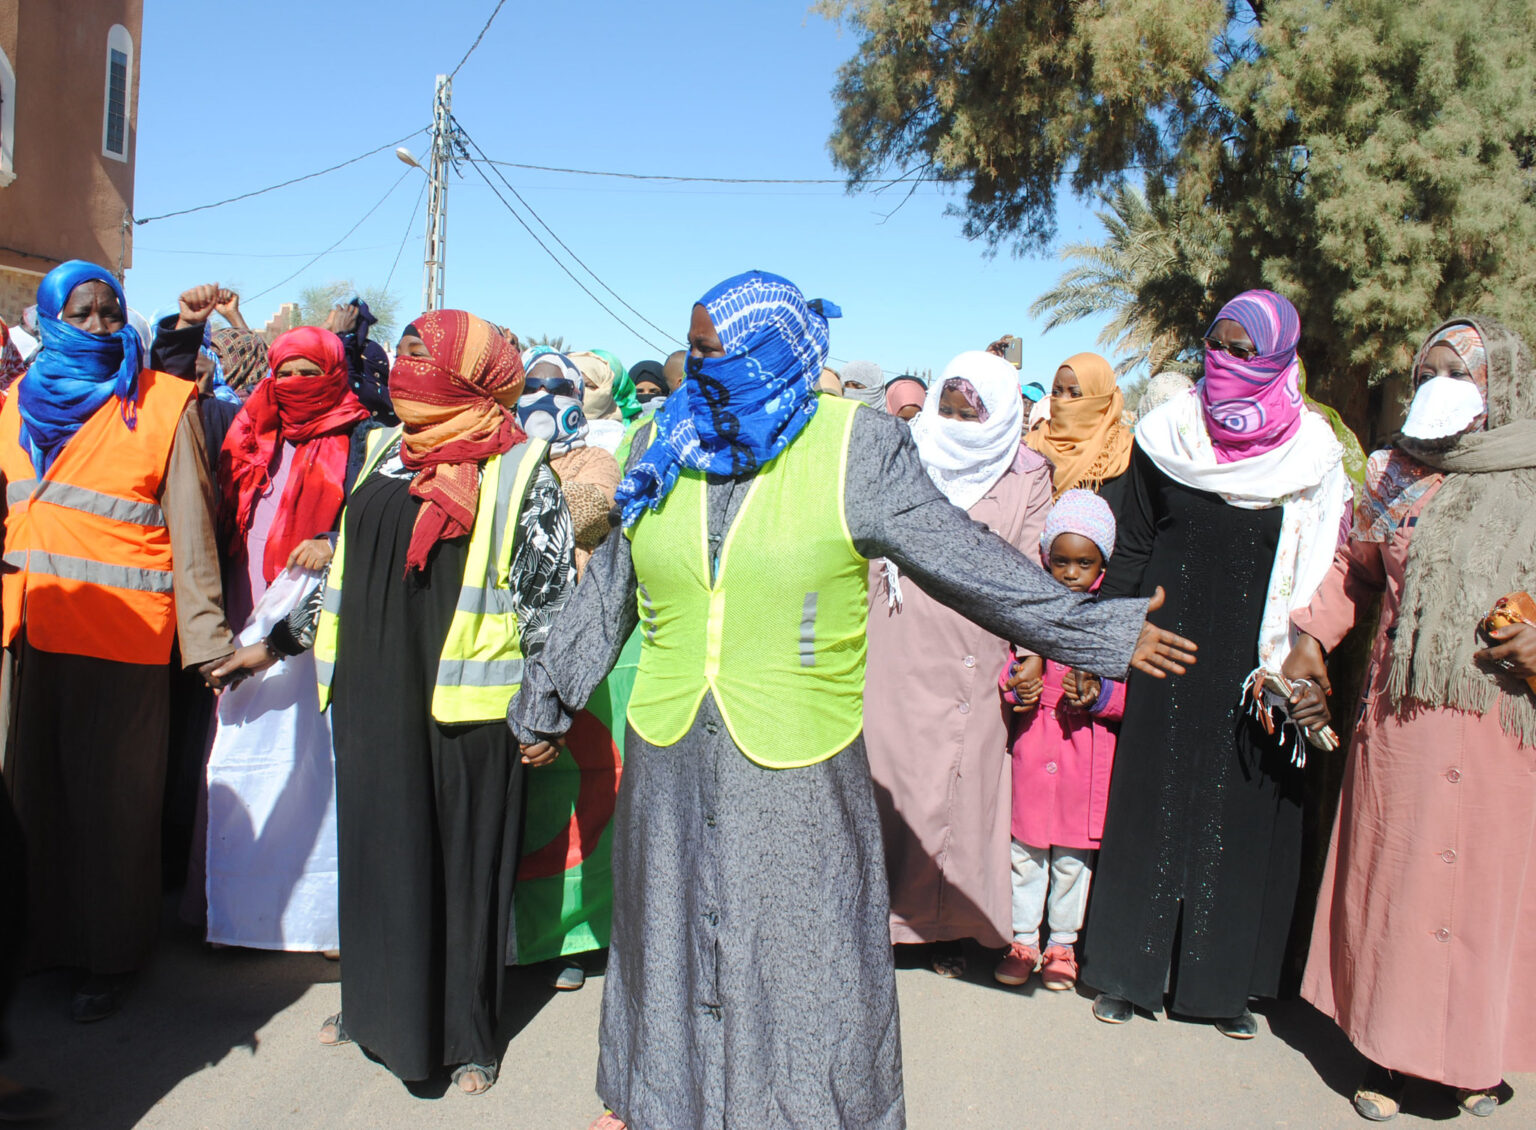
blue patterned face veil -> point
(550, 405)
(75, 372)
(734, 413)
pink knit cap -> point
(1081, 512)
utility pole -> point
(435, 267)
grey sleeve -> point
(583, 645)
(895, 511)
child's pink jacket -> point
(1062, 757)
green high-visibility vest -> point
(776, 628)
(481, 667)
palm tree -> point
(1156, 263)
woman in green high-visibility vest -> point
(750, 980)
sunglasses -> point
(1241, 352)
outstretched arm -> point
(895, 511)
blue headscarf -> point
(75, 372)
(734, 413)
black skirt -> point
(428, 816)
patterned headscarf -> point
(1083, 513)
(1254, 406)
(1085, 439)
(244, 355)
(736, 412)
(458, 409)
(75, 372)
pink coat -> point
(1062, 759)
(1424, 945)
(937, 736)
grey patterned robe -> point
(750, 980)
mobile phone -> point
(1014, 353)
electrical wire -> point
(665, 335)
(407, 237)
(545, 248)
(284, 184)
(334, 246)
(250, 254)
(494, 13)
(667, 177)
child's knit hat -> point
(1084, 513)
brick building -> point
(69, 94)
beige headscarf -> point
(1085, 438)
(1474, 542)
(598, 402)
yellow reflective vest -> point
(775, 628)
(481, 667)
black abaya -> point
(428, 816)
(1201, 853)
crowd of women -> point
(792, 664)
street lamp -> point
(405, 156)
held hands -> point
(313, 555)
(239, 664)
(1080, 689)
(537, 754)
(1307, 672)
(197, 305)
(1159, 651)
(1513, 652)
(1027, 682)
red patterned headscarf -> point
(317, 414)
(458, 410)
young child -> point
(1063, 748)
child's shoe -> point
(1018, 966)
(1059, 972)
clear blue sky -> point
(235, 97)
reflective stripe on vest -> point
(481, 666)
(40, 561)
(87, 544)
(775, 629)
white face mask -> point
(1443, 407)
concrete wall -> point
(67, 199)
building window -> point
(114, 132)
(7, 121)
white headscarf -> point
(964, 459)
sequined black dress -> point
(1201, 855)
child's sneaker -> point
(1020, 963)
(1060, 969)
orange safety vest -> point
(87, 551)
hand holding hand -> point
(1027, 682)
(1306, 661)
(1309, 705)
(237, 665)
(1159, 651)
(1514, 652)
(540, 753)
(1081, 689)
(197, 305)
(313, 555)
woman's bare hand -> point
(238, 664)
(1515, 652)
(1159, 651)
(1306, 661)
(313, 555)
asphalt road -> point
(227, 1039)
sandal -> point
(1380, 1094)
(1479, 1103)
(338, 1035)
(948, 959)
(467, 1071)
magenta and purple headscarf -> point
(1254, 406)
